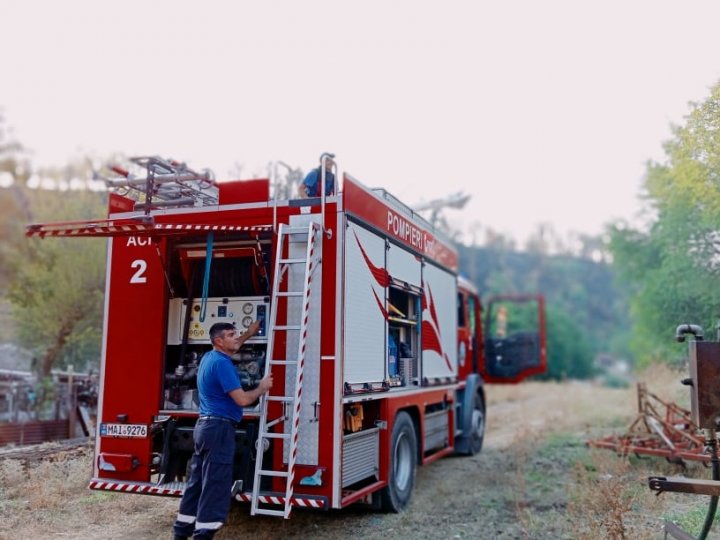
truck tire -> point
(403, 461)
(477, 426)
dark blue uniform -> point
(206, 500)
(312, 183)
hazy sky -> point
(545, 111)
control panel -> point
(240, 312)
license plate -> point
(124, 430)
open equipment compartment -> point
(403, 335)
(234, 291)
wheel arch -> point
(474, 385)
(414, 413)
(395, 496)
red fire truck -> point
(374, 340)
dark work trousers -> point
(205, 504)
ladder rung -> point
(286, 399)
(283, 362)
(275, 422)
(295, 230)
(275, 435)
(283, 474)
(268, 512)
(308, 235)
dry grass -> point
(571, 405)
(610, 499)
(608, 495)
(535, 479)
(50, 499)
(520, 452)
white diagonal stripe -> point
(210, 525)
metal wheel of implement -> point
(403, 461)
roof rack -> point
(166, 183)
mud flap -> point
(466, 399)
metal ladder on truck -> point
(297, 323)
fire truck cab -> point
(374, 340)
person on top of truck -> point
(206, 501)
(310, 186)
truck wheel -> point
(477, 426)
(403, 460)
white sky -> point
(545, 111)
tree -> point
(586, 308)
(13, 213)
(673, 267)
(570, 354)
(58, 287)
(13, 203)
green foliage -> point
(55, 286)
(586, 309)
(570, 354)
(58, 287)
(693, 520)
(506, 317)
(13, 203)
(555, 443)
(672, 268)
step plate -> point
(171, 489)
(298, 502)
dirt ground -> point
(535, 478)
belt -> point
(208, 417)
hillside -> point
(587, 309)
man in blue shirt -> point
(310, 187)
(206, 501)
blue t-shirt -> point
(216, 377)
(312, 183)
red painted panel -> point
(135, 347)
(116, 462)
(329, 408)
(414, 404)
(118, 203)
(469, 344)
(371, 209)
(244, 191)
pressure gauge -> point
(247, 308)
(252, 368)
(247, 321)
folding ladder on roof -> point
(285, 425)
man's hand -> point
(248, 398)
(252, 329)
(266, 383)
(247, 334)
